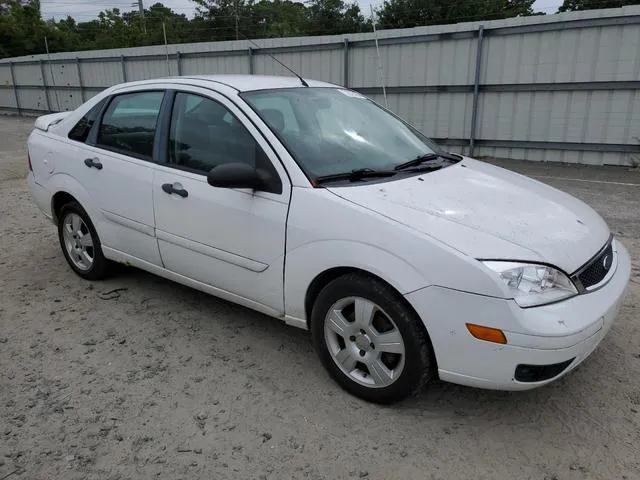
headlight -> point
(532, 284)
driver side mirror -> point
(235, 175)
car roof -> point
(245, 83)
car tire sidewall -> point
(99, 268)
(418, 361)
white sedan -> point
(311, 203)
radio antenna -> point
(53, 79)
(302, 81)
(380, 68)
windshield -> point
(330, 131)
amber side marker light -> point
(487, 334)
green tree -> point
(5, 5)
(226, 19)
(230, 19)
(573, 5)
(113, 31)
(413, 13)
(22, 29)
(278, 18)
(148, 30)
(177, 25)
(330, 17)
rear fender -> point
(61, 182)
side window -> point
(204, 134)
(278, 113)
(80, 130)
(129, 123)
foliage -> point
(327, 17)
(21, 28)
(278, 18)
(23, 31)
(412, 13)
(573, 5)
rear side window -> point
(129, 123)
(80, 131)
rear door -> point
(231, 239)
(116, 166)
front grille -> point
(597, 269)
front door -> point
(231, 239)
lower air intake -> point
(539, 373)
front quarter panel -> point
(325, 231)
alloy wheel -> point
(78, 242)
(364, 342)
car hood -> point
(489, 212)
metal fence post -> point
(179, 62)
(124, 70)
(79, 70)
(476, 85)
(15, 89)
(250, 56)
(44, 86)
(345, 55)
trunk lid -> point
(45, 122)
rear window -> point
(80, 131)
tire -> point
(367, 304)
(80, 243)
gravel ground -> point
(156, 380)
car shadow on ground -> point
(438, 398)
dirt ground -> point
(157, 380)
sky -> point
(83, 10)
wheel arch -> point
(309, 267)
(322, 280)
(59, 200)
(327, 276)
(66, 189)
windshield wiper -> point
(426, 158)
(355, 175)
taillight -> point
(29, 160)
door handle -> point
(169, 188)
(93, 162)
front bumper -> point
(545, 335)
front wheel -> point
(370, 340)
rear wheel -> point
(370, 340)
(80, 243)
